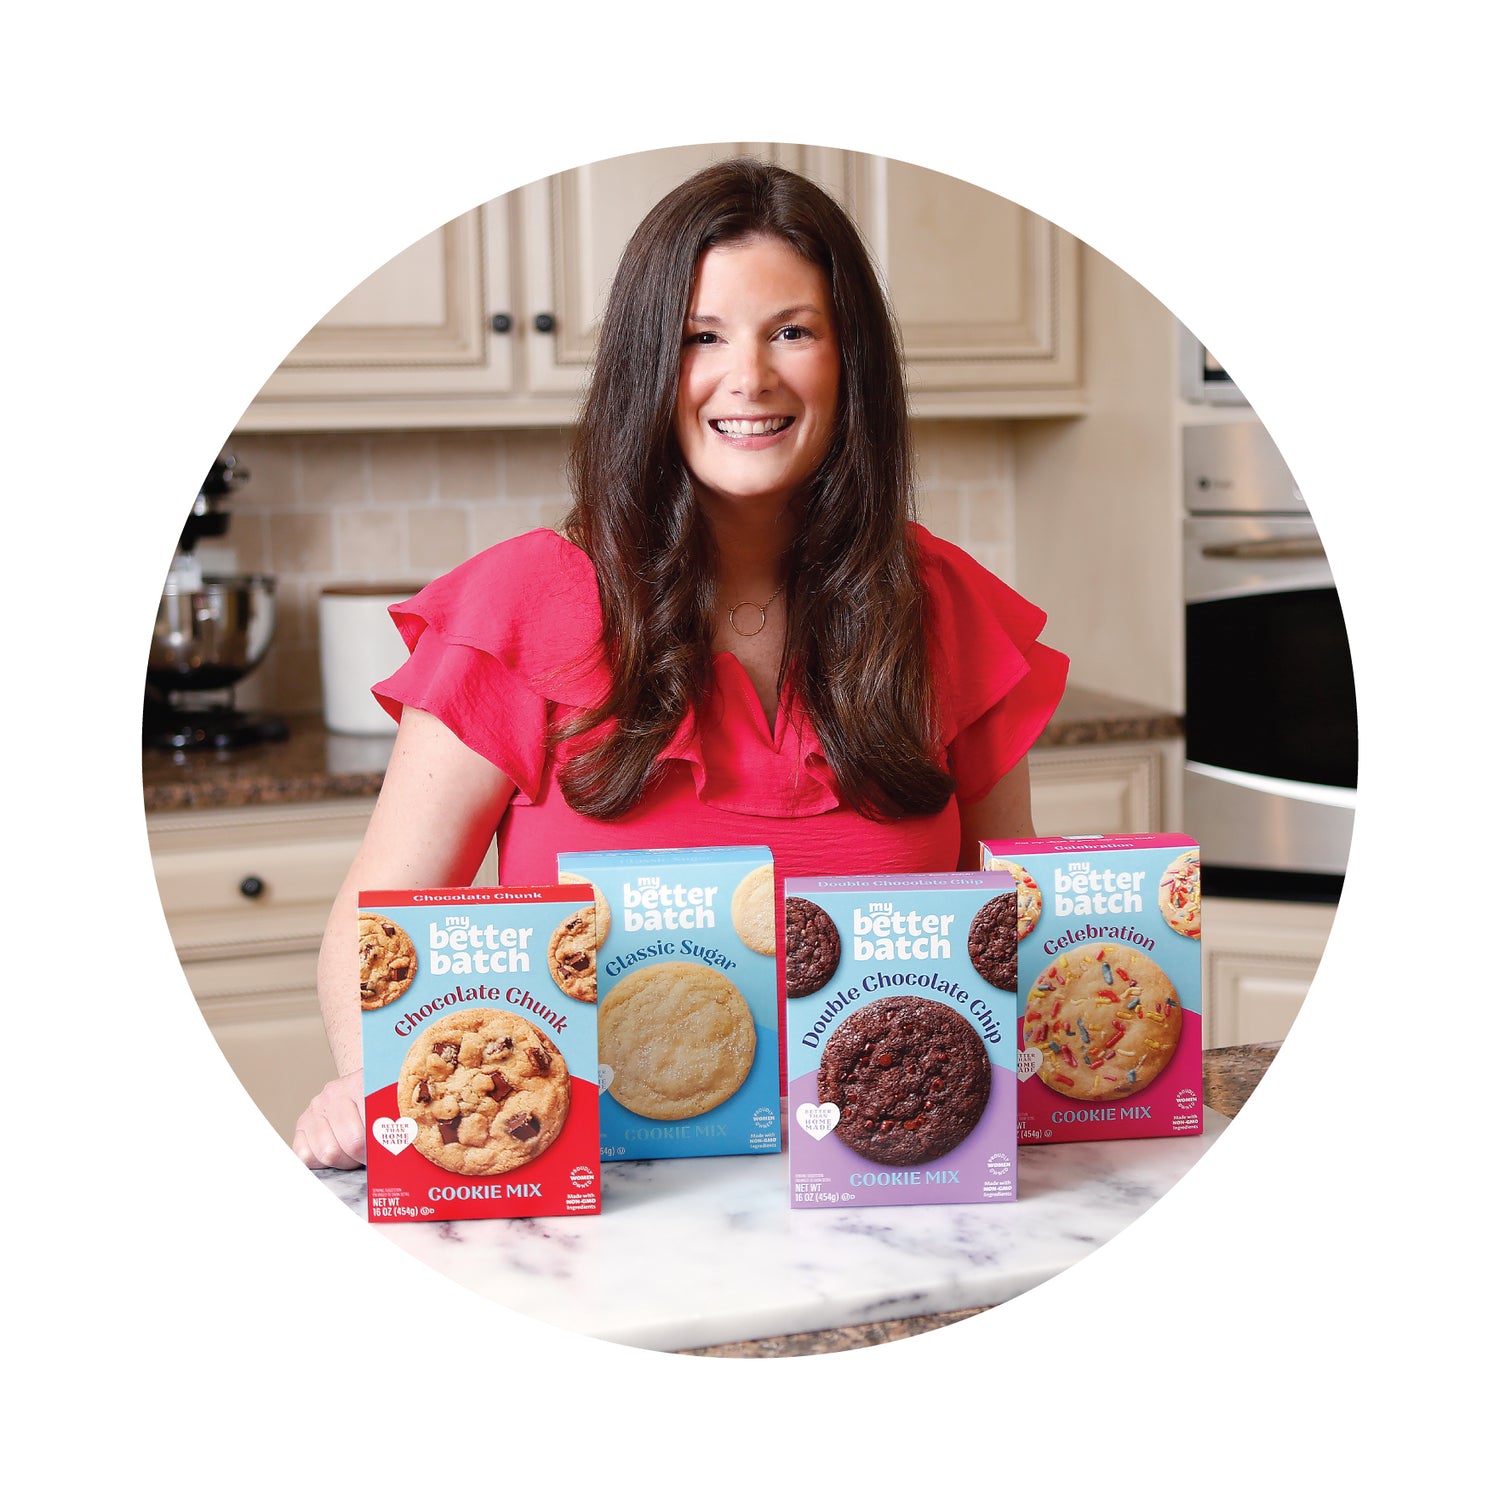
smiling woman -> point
(758, 385)
(738, 636)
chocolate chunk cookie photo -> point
(387, 961)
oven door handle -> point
(1272, 548)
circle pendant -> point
(747, 604)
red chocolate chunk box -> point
(480, 1052)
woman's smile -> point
(758, 385)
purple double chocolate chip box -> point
(900, 1038)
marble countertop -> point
(707, 1257)
(311, 764)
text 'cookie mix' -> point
(685, 980)
(481, 1053)
(901, 1056)
(1109, 998)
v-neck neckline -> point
(774, 727)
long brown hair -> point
(855, 653)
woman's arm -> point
(438, 809)
(1005, 813)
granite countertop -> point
(705, 1257)
(311, 764)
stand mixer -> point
(210, 631)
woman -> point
(739, 637)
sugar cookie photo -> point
(1180, 894)
(753, 910)
(679, 1038)
(1105, 1020)
(1028, 895)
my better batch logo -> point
(656, 905)
(461, 946)
(1080, 890)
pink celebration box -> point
(1109, 993)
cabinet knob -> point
(544, 323)
(501, 323)
(252, 886)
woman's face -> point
(758, 385)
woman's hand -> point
(331, 1130)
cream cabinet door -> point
(246, 894)
(1259, 959)
(577, 224)
(431, 335)
(1106, 789)
(986, 293)
(263, 1013)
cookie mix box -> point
(480, 1053)
(901, 1057)
(689, 1040)
(1110, 999)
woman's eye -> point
(705, 337)
(793, 331)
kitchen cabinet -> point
(1128, 787)
(490, 320)
(985, 292)
(1259, 958)
(431, 334)
(246, 893)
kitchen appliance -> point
(1205, 382)
(210, 632)
(1270, 724)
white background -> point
(190, 187)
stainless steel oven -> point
(1270, 710)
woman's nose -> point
(753, 374)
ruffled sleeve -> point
(494, 643)
(998, 685)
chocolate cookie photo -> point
(812, 947)
(992, 941)
(910, 1077)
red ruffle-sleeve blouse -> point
(508, 639)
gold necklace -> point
(751, 604)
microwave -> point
(1205, 382)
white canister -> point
(358, 645)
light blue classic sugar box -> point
(901, 1043)
(689, 1035)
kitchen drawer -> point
(253, 880)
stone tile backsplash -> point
(402, 507)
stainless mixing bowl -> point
(209, 637)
